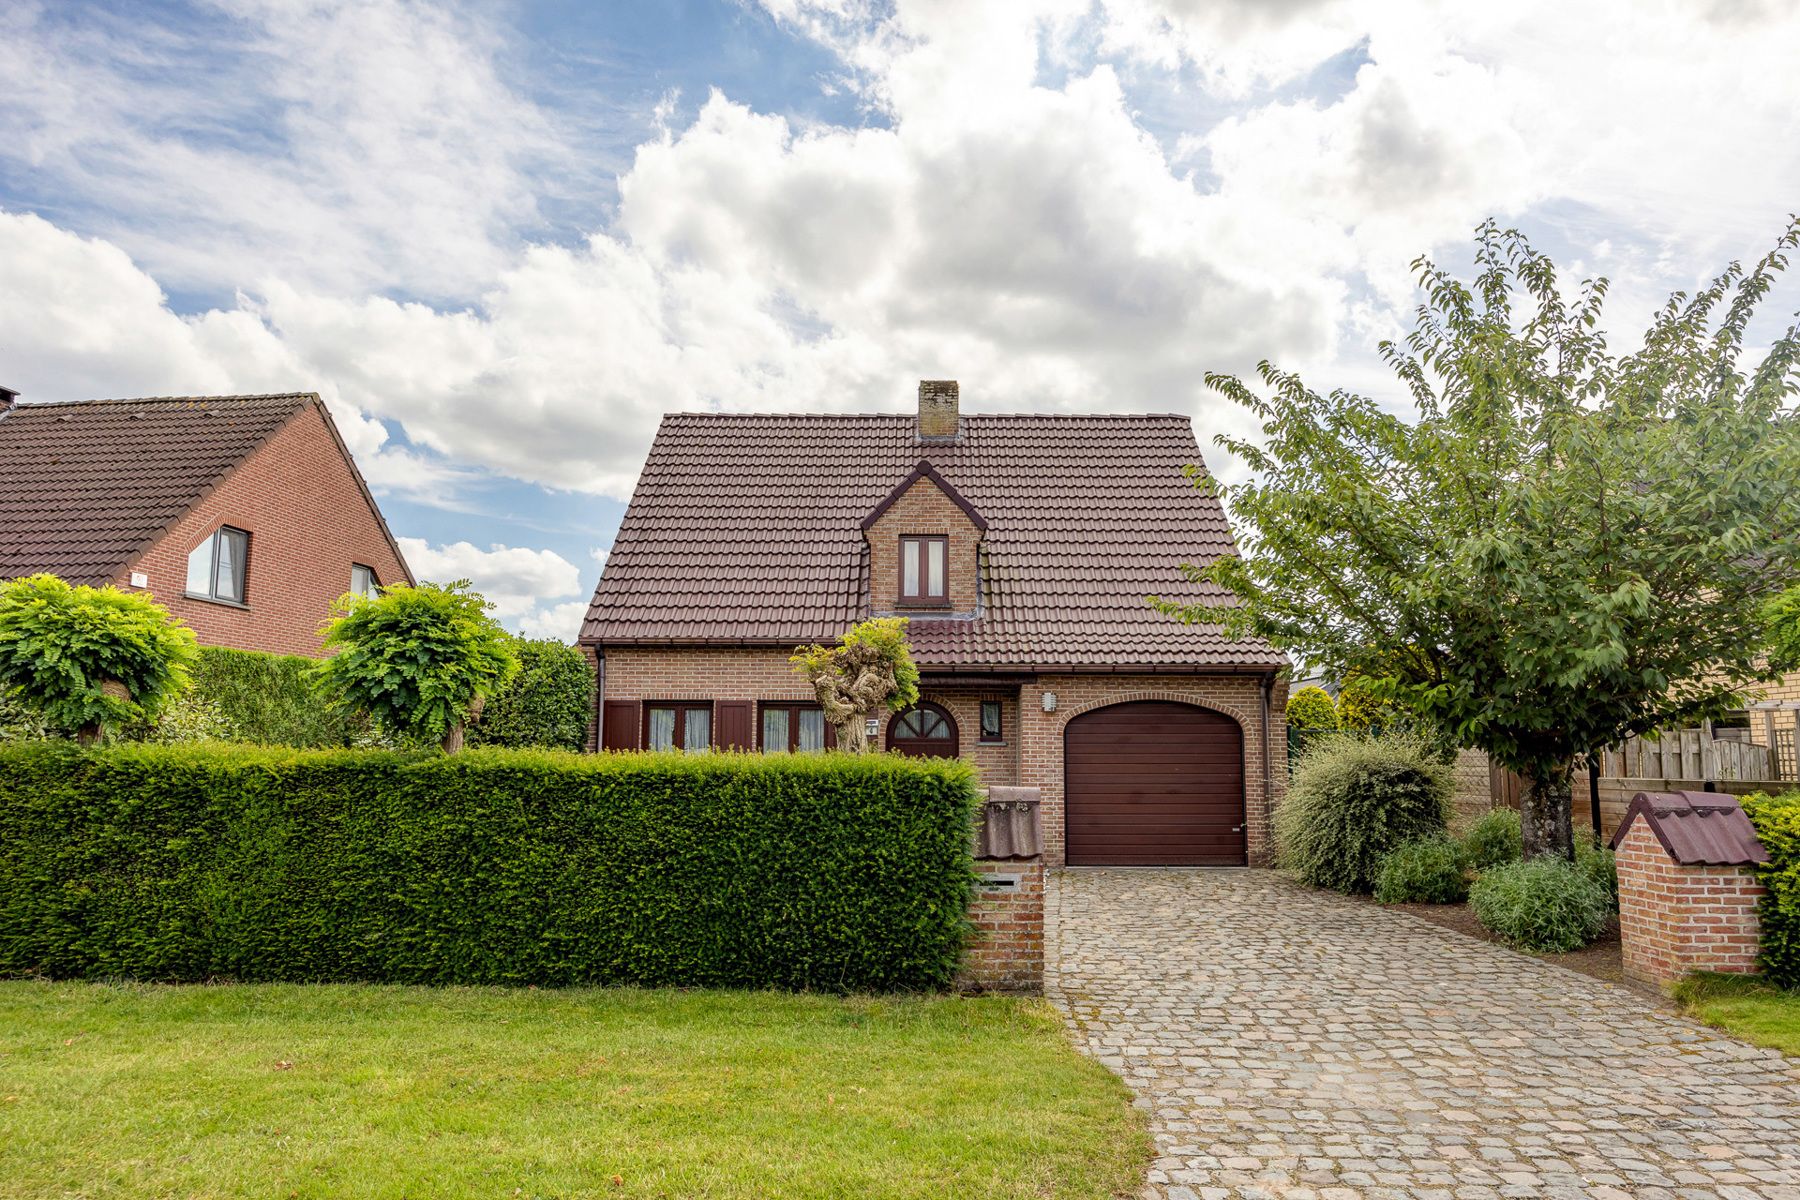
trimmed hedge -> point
(266, 698)
(547, 704)
(186, 863)
(1777, 822)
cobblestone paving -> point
(1292, 1043)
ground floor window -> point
(991, 730)
(797, 726)
(927, 731)
(678, 726)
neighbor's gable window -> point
(795, 727)
(216, 566)
(922, 562)
(678, 726)
(363, 581)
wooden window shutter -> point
(619, 725)
(734, 732)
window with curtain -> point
(795, 726)
(990, 721)
(216, 567)
(923, 560)
(678, 726)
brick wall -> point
(308, 522)
(1236, 696)
(1006, 951)
(1675, 919)
(997, 762)
(923, 509)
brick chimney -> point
(9, 397)
(940, 416)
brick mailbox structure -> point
(1687, 891)
(1006, 951)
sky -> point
(502, 239)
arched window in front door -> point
(927, 731)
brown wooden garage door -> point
(1153, 783)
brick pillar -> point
(1674, 919)
(1006, 952)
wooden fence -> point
(1690, 754)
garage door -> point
(1154, 783)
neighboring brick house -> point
(1021, 547)
(243, 515)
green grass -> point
(351, 1091)
(1744, 1007)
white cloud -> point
(559, 621)
(515, 579)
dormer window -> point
(923, 559)
(215, 568)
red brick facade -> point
(1030, 754)
(923, 508)
(1674, 919)
(309, 521)
(1006, 953)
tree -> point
(1782, 620)
(1311, 708)
(419, 661)
(548, 704)
(83, 658)
(1360, 707)
(870, 668)
(1561, 547)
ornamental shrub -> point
(1353, 800)
(18, 723)
(1425, 870)
(548, 704)
(1547, 904)
(1494, 840)
(194, 862)
(267, 698)
(1311, 708)
(82, 658)
(1594, 858)
(1777, 822)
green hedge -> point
(1777, 822)
(826, 872)
(265, 698)
(548, 703)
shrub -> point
(1594, 858)
(192, 718)
(18, 723)
(548, 704)
(267, 698)
(418, 661)
(1494, 840)
(1423, 871)
(827, 872)
(82, 659)
(1777, 822)
(1354, 799)
(1311, 708)
(1545, 904)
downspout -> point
(1268, 694)
(599, 701)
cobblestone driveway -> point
(1294, 1043)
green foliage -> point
(267, 698)
(191, 718)
(1425, 870)
(416, 660)
(1311, 708)
(1781, 618)
(827, 872)
(548, 704)
(1360, 709)
(18, 723)
(1559, 547)
(1494, 840)
(1545, 904)
(83, 658)
(1352, 801)
(1595, 859)
(870, 668)
(1777, 822)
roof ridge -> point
(907, 416)
(167, 399)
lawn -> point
(346, 1091)
(1745, 1008)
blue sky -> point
(503, 239)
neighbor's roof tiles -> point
(86, 486)
(1697, 828)
(746, 528)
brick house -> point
(243, 515)
(1021, 548)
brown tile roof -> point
(1697, 828)
(86, 486)
(745, 528)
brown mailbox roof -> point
(86, 486)
(746, 529)
(1697, 828)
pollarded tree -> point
(83, 658)
(418, 661)
(869, 670)
(1560, 547)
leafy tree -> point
(548, 704)
(1561, 547)
(419, 661)
(82, 658)
(1782, 619)
(1311, 708)
(1361, 708)
(870, 668)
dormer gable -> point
(924, 542)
